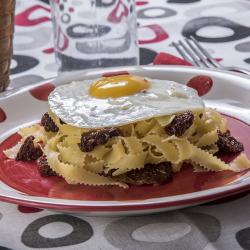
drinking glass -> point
(94, 33)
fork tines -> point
(191, 51)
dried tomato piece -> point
(29, 151)
(149, 175)
(61, 121)
(44, 168)
(180, 124)
(48, 123)
(228, 144)
(94, 138)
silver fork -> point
(192, 51)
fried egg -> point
(119, 100)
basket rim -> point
(7, 54)
(5, 67)
(6, 33)
(7, 7)
(4, 81)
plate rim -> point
(125, 207)
(122, 208)
(88, 72)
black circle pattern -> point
(147, 56)
(101, 3)
(45, 1)
(82, 231)
(191, 28)
(131, 9)
(24, 63)
(183, 1)
(61, 7)
(243, 238)
(70, 63)
(247, 60)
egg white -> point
(73, 104)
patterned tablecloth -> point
(223, 27)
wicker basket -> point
(7, 8)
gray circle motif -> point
(166, 13)
(82, 231)
(38, 38)
(87, 30)
(243, 47)
(24, 80)
(193, 26)
(119, 233)
(65, 18)
(183, 1)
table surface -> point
(225, 224)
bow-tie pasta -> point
(127, 130)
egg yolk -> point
(117, 86)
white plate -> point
(230, 95)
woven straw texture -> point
(7, 8)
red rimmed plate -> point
(22, 184)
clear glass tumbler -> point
(94, 33)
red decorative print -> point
(201, 83)
(2, 115)
(62, 41)
(168, 59)
(23, 18)
(183, 182)
(117, 73)
(118, 12)
(218, 59)
(229, 198)
(24, 176)
(27, 210)
(42, 92)
(48, 51)
(159, 32)
(141, 3)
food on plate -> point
(127, 130)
